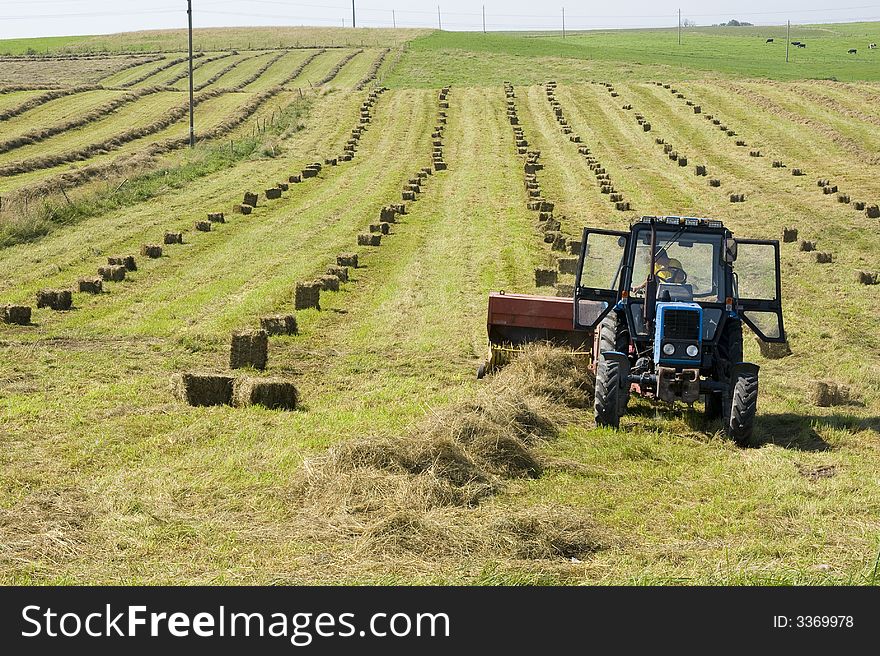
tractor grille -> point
(681, 324)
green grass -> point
(40, 45)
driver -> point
(667, 269)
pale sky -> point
(24, 18)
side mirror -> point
(729, 252)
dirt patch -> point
(817, 473)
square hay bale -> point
(203, 226)
(279, 324)
(545, 277)
(112, 272)
(568, 265)
(797, 172)
(250, 348)
(773, 350)
(565, 291)
(55, 299)
(828, 393)
(173, 238)
(868, 277)
(340, 272)
(872, 211)
(329, 282)
(789, 235)
(388, 214)
(714, 182)
(369, 239)
(697, 109)
(829, 189)
(559, 242)
(376, 227)
(622, 206)
(273, 194)
(682, 161)
(127, 261)
(755, 153)
(216, 217)
(439, 165)
(574, 247)
(858, 205)
(822, 258)
(295, 179)
(271, 393)
(700, 169)
(347, 260)
(17, 314)
(550, 236)
(152, 251)
(737, 198)
(283, 186)
(843, 198)
(90, 285)
(202, 389)
(777, 164)
(408, 195)
(806, 246)
(309, 173)
(307, 295)
(822, 182)
(250, 199)
(244, 209)
(646, 126)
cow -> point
(795, 43)
(852, 51)
(769, 40)
(872, 46)
(802, 45)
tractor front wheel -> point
(740, 419)
(607, 401)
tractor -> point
(664, 306)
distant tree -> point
(687, 22)
(735, 23)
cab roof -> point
(687, 221)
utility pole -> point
(393, 19)
(563, 22)
(679, 27)
(353, 24)
(192, 129)
(484, 19)
(439, 24)
(787, 40)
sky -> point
(31, 18)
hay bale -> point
(329, 282)
(789, 235)
(173, 238)
(271, 393)
(112, 272)
(868, 277)
(273, 194)
(295, 179)
(369, 239)
(822, 182)
(545, 277)
(714, 182)
(279, 324)
(250, 199)
(559, 241)
(307, 295)
(347, 260)
(244, 209)
(408, 195)
(646, 126)
(797, 172)
(822, 258)
(388, 214)
(127, 261)
(216, 217)
(858, 205)
(697, 109)
(250, 348)
(90, 285)
(872, 211)
(568, 265)
(778, 164)
(202, 389)
(439, 166)
(55, 299)
(700, 169)
(830, 189)
(574, 247)
(203, 226)
(340, 272)
(773, 350)
(152, 251)
(740, 142)
(565, 291)
(622, 206)
(682, 161)
(15, 314)
(283, 186)
(731, 133)
(826, 393)
(806, 246)
(737, 198)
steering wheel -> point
(677, 275)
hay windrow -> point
(422, 493)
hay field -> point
(399, 466)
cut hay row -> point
(259, 73)
(136, 61)
(374, 70)
(603, 178)
(827, 187)
(299, 69)
(336, 68)
(168, 64)
(226, 69)
(196, 66)
(549, 227)
(41, 134)
(38, 101)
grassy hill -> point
(399, 466)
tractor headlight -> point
(692, 350)
(668, 349)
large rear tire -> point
(608, 392)
(614, 336)
(740, 420)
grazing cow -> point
(872, 46)
(795, 43)
(769, 40)
(802, 45)
(851, 51)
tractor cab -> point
(666, 301)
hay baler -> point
(664, 305)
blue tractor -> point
(666, 302)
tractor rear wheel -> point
(608, 392)
(614, 336)
(740, 420)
